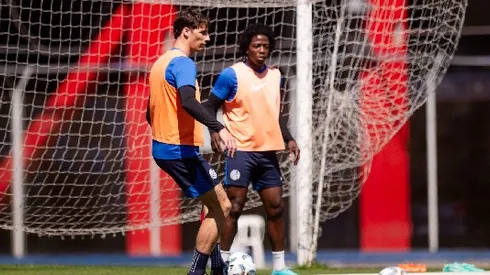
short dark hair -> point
(254, 30)
(189, 18)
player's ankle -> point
(216, 260)
(278, 262)
(225, 255)
(199, 262)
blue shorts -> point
(260, 168)
(193, 175)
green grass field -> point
(107, 270)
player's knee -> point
(236, 209)
(275, 209)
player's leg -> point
(267, 181)
(217, 264)
(218, 207)
(274, 206)
(198, 180)
(236, 180)
(221, 252)
(238, 197)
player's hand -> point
(293, 151)
(229, 141)
(216, 143)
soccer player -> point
(174, 113)
(250, 93)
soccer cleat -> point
(461, 267)
(284, 271)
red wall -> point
(385, 222)
(147, 32)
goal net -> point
(75, 155)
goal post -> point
(18, 239)
(303, 96)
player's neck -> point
(182, 46)
(256, 67)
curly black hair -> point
(248, 34)
(189, 18)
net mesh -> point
(377, 64)
(86, 147)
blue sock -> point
(216, 261)
(199, 262)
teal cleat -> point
(284, 271)
(461, 267)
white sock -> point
(225, 255)
(278, 260)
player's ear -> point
(186, 31)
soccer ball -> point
(392, 270)
(241, 264)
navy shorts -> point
(260, 168)
(193, 175)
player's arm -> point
(187, 96)
(286, 135)
(292, 147)
(223, 89)
(197, 111)
(212, 105)
(185, 72)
